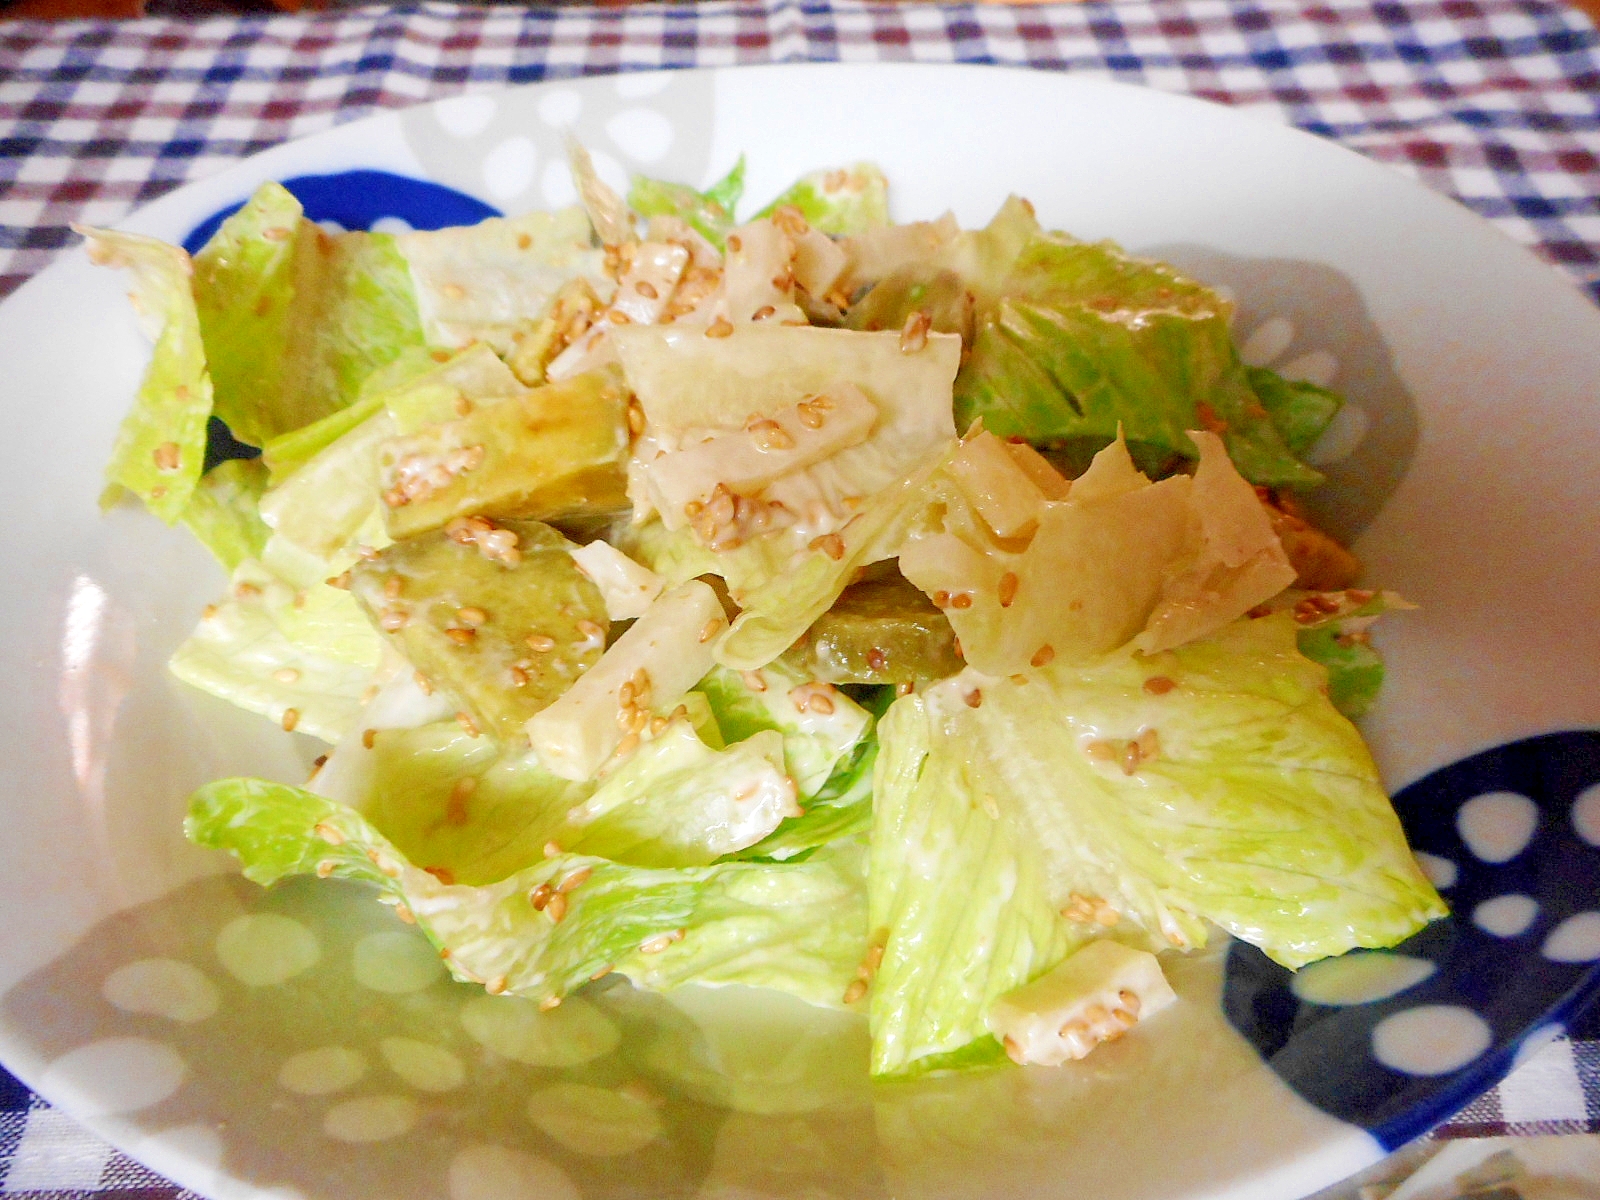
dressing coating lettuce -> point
(795, 927)
(1211, 785)
(160, 447)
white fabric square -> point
(56, 1153)
(1545, 1088)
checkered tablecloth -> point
(1495, 102)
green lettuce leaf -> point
(295, 318)
(1355, 668)
(841, 202)
(1301, 411)
(796, 927)
(815, 738)
(959, 898)
(161, 445)
(224, 511)
(491, 281)
(278, 650)
(708, 213)
(1070, 340)
(840, 808)
(1212, 784)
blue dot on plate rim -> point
(1508, 834)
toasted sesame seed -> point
(472, 617)
(453, 291)
(877, 660)
(540, 896)
(393, 586)
(549, 1002)
(735, 243)
(460, 636)
(762, 313)
(974, 698)
(464, 719)
(961, 600)
(540, 643)
(423, 684)
(627, 745)
(754, 680)
(167, 456)
(325, 868)
(856, 990)
(590, 629)
(557, 908)
(635, 418)
(392, 620)
(291, 718)
(519, 677)
(1159, 685)
(275, 233)
(1043, 656)
(710, 629)
(657, 944)
(552, 849)
(209, 612)
(904, 689)
(576, 879)
(720, 328)
(524, 240)
(328, 833)
(286, 675)
(369, 737)
(1013, 1051)
(941, 598)
(830, 544)
(246, 591)
(657, 724)
(1008, 589)
(914, 333)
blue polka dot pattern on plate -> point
(1510, 835)
(364, 199)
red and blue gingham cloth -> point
(1494, 102)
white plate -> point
(1471, 482)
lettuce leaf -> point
(708, 213)
(1070, 340)
(278, 650)
(489, 281)
(161, 444)
(796, 927)
(295, 318)
(959, 898)
(841, 202)
(224, 511)
(1140, 797)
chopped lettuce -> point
(959, 897)
(304, 657)
(797, 927)
(1300, 410)
(820, 724)
(296, 318)
(487, 282)
(224, 511)
(708, 213)
(1141, 797)
(842, 201)
(161, 445)
(1070, 341)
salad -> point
(917, 620)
